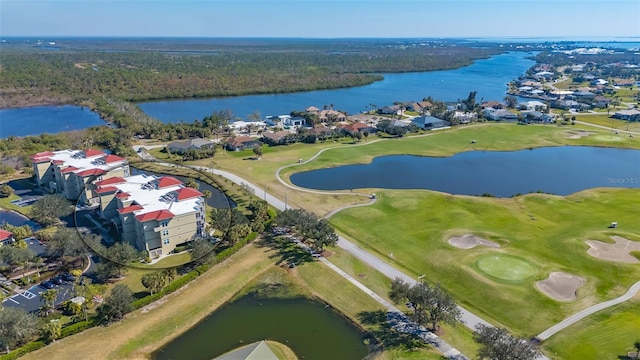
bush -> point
(77, 327)
(32, 346)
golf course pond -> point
(559, 170)
(309, 328)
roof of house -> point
(312, 109)
(196, 142)
(628, 112)
(427, 120)
(239, 140)
(275, 136)
(4, 234)
(492, 104)
(81, 162)
(256, 351)
(425, 104)
(155, 198)
(356, 126)
(113, 180)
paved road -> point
(633, 290)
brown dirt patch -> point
(577, 134)
(362, 275)
(620, 251)
(560, 286)
(469, 241)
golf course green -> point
(505, 268)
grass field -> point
(609, 122)
(547, 233)
(605, 335)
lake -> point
(558, 170)
(489, 77)
(311, 330)
(46, 119)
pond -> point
(16, 219)
(312, 330)
(46, 119)
(217, 200)
(558, 170)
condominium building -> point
(73, 172)
(152, 213)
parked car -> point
(56, 280)
(47, 285)
(68, 277)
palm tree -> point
(87, 142)
(49, 299)
(38, 262)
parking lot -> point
(29, 300)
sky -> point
(575, 19)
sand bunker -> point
(469, 241)
(578, 134)
(614, 252)
(560, 286)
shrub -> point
(32, 346)
(75, 328)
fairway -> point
(505, 268)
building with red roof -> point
(6, 237)
(152, 213)
(75, 173)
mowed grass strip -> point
(549, 232)
(142, 332)
(608, 334)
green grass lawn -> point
(609, 122)
(547, 233)
(604, 335)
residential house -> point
(492, 104)
(153, 214)
(429, 122)
(327, 115)
(6, 237)
(358, 127)
(237, 143)
(321, 132)
(499, 115)
(191, 144)
(534, 105)
(425, 105)
(275, 138)
(624, 82)
(72, 172)
(601, 102)
(629, 115)
(584, 94)
(465, 117)
(537, 116)
(389, 110)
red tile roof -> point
(123, 195)
(157, 215)
(69, 169)
(90, 172)
(92, 152)
(112, 158)
(187, 193)
(57, 162)
(41, 156)
(166, 181)
(106, 189)
(130, 209)
(4, 234)
(113, 180)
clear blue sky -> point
(321, 18)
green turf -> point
(605, 335)
(505, 268)
(549, 232)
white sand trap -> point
(578, 134)
(469, 241)
(560, 286)
(614, 252)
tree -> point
(52, 330)
(49, 299)
(636, 345)
(365, 134)
(87, 290)
(237, 232)
(65, 243)
(207, 193)
(153, 281)
(511, 101)
(201, 251)
(6, 190)
(307, 225)
(50, 208)
(16, 326)
(116, 305)
(169, 274)
(192, 183)
(498, 344)
(118, 257)
(430, 305)
(257, 150)
(15, 256)
(19, 232)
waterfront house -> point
(275, 138)
(191, 144)
(72, 172)
(533, 105)
(153, 214)
(492, 104)
(237, 143)
(499, 115)
(429, 122)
